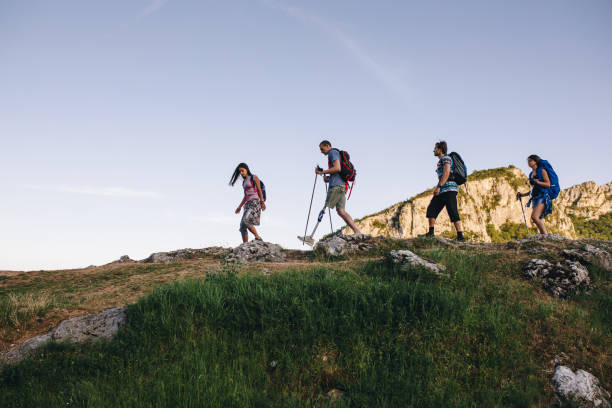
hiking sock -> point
(460, 234)
(431, 231)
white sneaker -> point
(307, 240)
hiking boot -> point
(427, 235)
(307, 240)
(460, 239)
(258, 239)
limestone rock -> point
(590, 254)
(125, 258)
(345, 244)
(18, 353)
(187, 253)
(103, 325)
(408, 259)
(561, 279)
(256, 251)
(580, 387)
(542, 237)
(586, 200)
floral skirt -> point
(250, 215)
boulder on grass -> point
(591, 255)
(407, 260)
(103, 325)
(561, 279)
(580, 387)
(256, 251)
(337, 245)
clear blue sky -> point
(122, 121)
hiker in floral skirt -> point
(253, 201)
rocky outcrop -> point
(542, 237)
(591, 255)
(586, 200)
(337, 245)
(561, 279)
(580, 387)
(187, 253)
(489, 199)
(103, 325)
(409, 260)
(256, 251)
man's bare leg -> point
(349, 221)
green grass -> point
(18, 308)
(379, 224)
(384, 337)
(509, 231)
(600, 228)
(499, 172)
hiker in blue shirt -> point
(336, 195)
(445, 193)
(541, 194)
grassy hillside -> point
(383, 337)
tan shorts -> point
(336, 197)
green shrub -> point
(600, 228)
(379, 224)
(509, 231)
(499, 172)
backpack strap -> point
(255, 187)
(351, 191)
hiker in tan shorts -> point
(336, 195)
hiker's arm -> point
(334, 169)
(259, 193)
(445, 175)
(241, 204)
(444, 178)
(546, 182)
(519, 195)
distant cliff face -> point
(487, 204)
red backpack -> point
(347, 170)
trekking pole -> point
(310, 208)
(524, 218)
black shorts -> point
(448, 200)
